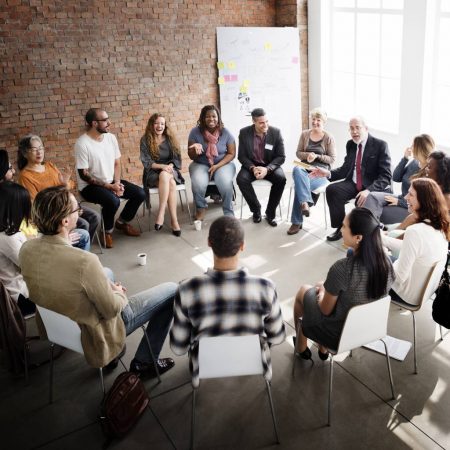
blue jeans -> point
(85, 241)
(303, 186)
(155, 306)
(223, 177)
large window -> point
(365, 60)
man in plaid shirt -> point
(226, 300)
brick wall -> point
(132, 58)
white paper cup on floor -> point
(142, 259)
(198, 225)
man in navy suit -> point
(261, 153)
(366, 168)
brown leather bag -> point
(123, 405)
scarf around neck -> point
(211, 150)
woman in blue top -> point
(391, 208)
(212, 149)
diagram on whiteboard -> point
(260, 68)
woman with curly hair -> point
(161, 157)
(212, 148)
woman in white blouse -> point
(424, 244)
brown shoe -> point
(200, 213)
(305, 209)
(127, 229)
(294, 229)
(108, 241)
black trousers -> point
(338, 194)
(244, 180)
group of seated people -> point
(99, 304)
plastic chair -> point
(429, 289)
(230, 356)
(364, 324)
(63, 331)
(318, 191)
(261, 183)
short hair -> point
(226, 236)
(15, 207)
(359, 119)
(24, 146)
(258, 112)
(201, 123)
(50, 207)
(319, 113)
(91, 115)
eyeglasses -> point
(36, 149)
(79, 210)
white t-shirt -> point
(10, 274)
(97, 156)
(421, 248)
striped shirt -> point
(226, 303)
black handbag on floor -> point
(441, 304)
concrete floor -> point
(234, 413)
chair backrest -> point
(433, 280)
(61, 330)
(364, 324)
(229, 356)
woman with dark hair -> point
(6, 169)
(161, 157)
(424, 243)
(212, 149)
(438, 169)
(15, 208)
(364, 276)
(390, 208)
(36, 174)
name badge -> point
(269, 147)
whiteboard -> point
(260, 68)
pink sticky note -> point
(227, 77)
(234, 77)
(295, 60)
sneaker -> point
(147, 370)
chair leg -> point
(440, 330)
(272, 410)
(391, 380)
(52, 346)
(242, 203)
(330, 389)
(414, 333)
(193, 419)
(325, 209)
(289, 203)
(102, 381)
(98, 241)
(151, 353)
(181, 200)
(187, 205)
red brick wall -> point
(132, 58)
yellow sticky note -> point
(220, 65)
(221, 80)
(267, 46)
(243, 89)
(231, 65)
(246, 83)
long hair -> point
(370, 251)
(150, 137)
(432, 205)
(201, 120)
(24, 146)
(15, 207)
(443, 170)
(423, 146)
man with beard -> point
(97, 158)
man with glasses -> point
(97, 157)
(366, 168)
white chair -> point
(261, 183)
(180, 188)
(63, 331)
(318, 191)
(364, 324)
(230, 356)
(428, 290)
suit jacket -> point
(72, 282)
(375, 165)
(272, 158)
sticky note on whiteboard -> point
(220, 65)
(268, 46)
(221, 80)
(231, 65)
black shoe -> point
(256, 217)
(158, 226)
(335, 236)
(305, 354)
(115, 362)
(323, 356)
(271, 221)
(147, 370)
(176, 233)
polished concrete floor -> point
(234, 413)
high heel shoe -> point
(158, 226)
(323, 356)
(305, 354)
(176, 233)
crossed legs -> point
(167, 198)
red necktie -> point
(358, 168)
